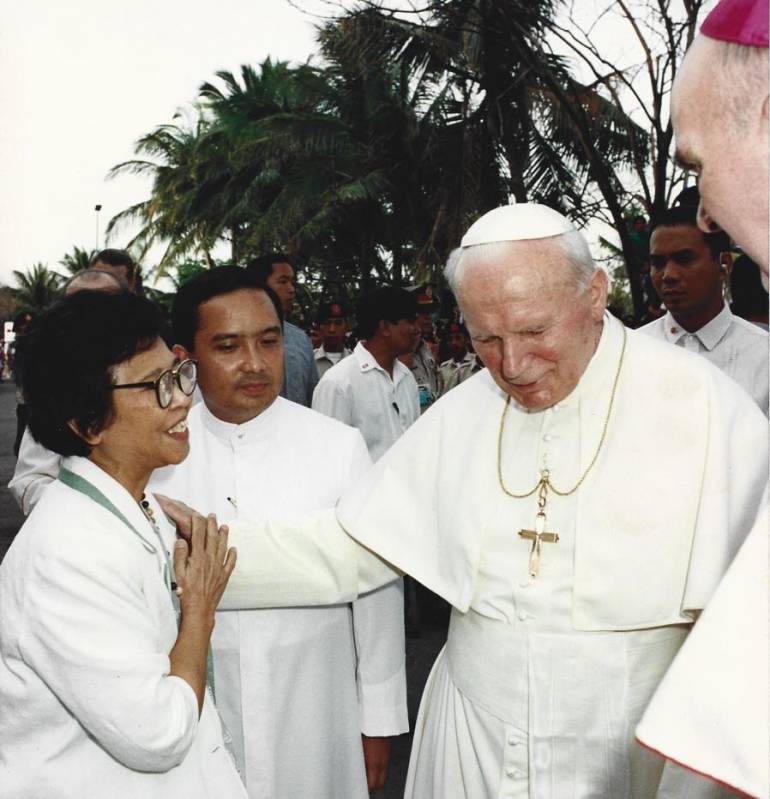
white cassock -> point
(297, 687)
(542, 681)
(711, 712)
(87, 707)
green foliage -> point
(370, 167)
(77, 260)
(36, 288)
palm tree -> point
(36, 288)
(533, 131)
(178, 211)
(77, 260)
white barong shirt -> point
(737, 347)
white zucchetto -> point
(516, 222)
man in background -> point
(690, 269)
(276, 270)
(462, 363)
(333, 327)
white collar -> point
(258, 427)
(367, 362)
(709, 335)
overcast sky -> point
(82, 80)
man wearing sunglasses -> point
(689, 269)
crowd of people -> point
(224, 520)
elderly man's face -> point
(533, 328)
(731, 162)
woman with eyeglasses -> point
(104, 633)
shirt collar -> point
(367, 362)
(709, 335)
(255, 428)
(115, 491)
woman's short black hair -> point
(207, 285)
(69, 353)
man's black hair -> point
(687, 215)
(263, 266)
(116, 258)
(207, 285)
(69, 353)
(387, 303)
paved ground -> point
(420, 652)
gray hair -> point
(572, 244)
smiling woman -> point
(102, 645)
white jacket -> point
(87, 706)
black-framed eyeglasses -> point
(184, 374)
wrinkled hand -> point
(376, 759)
(202, 566)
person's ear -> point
(597, 289)
(383, 327)
(91, 438)
(725, 263)
(181, 352)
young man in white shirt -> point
(372, 390)
(689, 269)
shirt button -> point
(674, 329)
(513, 741)
(546, 438)
(511, 772)
(525, 584)
(557, 407)
(522, 616)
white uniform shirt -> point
(295, 687)
(360, 393)
(36, 467)
(325, 360)
(737, 347)
(88, 707)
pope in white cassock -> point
(576, 502)
(295, 688)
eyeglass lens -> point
(185, 375)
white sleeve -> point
(378, 627)
(308, 561)
(331, 399)
(36, 467)
(92, 636)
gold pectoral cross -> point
(538, 535)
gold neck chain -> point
(544, 482)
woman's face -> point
(142, 436)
